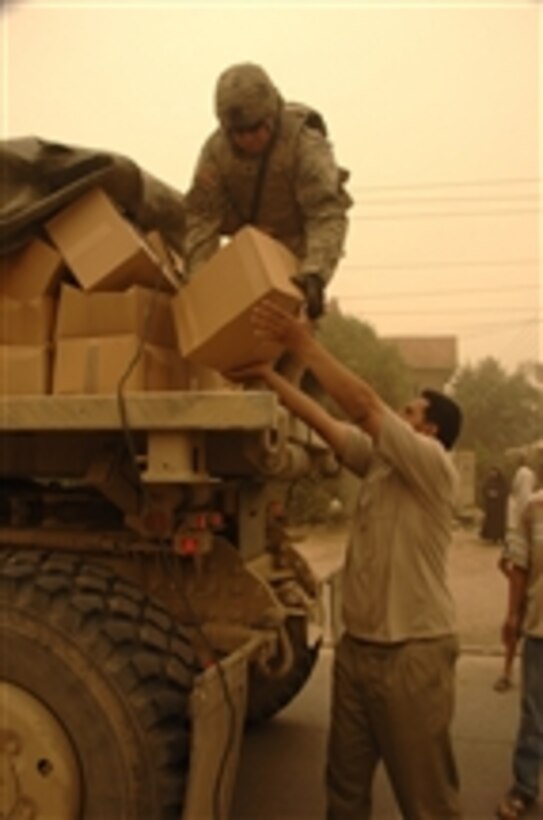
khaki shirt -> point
(394, 578)
(527, 552)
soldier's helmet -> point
(245, 96)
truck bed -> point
(180, 436)
(198, 411)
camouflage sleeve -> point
(324, 204)
(204, 209)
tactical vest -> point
(277, 211)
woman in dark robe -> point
(495, 491)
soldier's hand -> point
(313, 287)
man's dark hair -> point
(445, 414)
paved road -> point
(280, 774)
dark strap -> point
(261, 177)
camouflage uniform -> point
(293, 191)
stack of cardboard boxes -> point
(104, 338)
(96, 307)
(116, 328)
(29, 283)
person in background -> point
(525, 616)
(393, 682)
(495, 494)
(522, 485)
(269, 164)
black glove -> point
(313, 287)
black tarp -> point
(39, 177)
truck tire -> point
(96, 678)
(268, 695)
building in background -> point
(431, 360)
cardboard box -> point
(102, 249)
(212, 312)
(137, 311)
(26, 322)
(97, 365)
(35, 270)
(25, 370)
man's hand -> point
(250, 372)
(313, 287)
(272, 322)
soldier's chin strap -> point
(262, 170)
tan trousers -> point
(395, 704)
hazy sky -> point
(435, 108)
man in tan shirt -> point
(393, 685)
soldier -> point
(270, 165)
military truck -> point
(151, 602)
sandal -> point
(503, 684)
(513, 806)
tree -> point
(358, 347)
(500, 411)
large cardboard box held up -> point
(140, 311)
(213, 311)
(35, 270)
(99, 365)
(102, 249)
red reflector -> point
(199, 522)
(188, 546)
(276, 509)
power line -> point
(519, 330)
(448, 214)
(404, 199)
(460, 263)
(499, 327)
(463, 183)
(534, 319)
(448, 312)
(476, 329)
(516, 343)
(423, 294)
